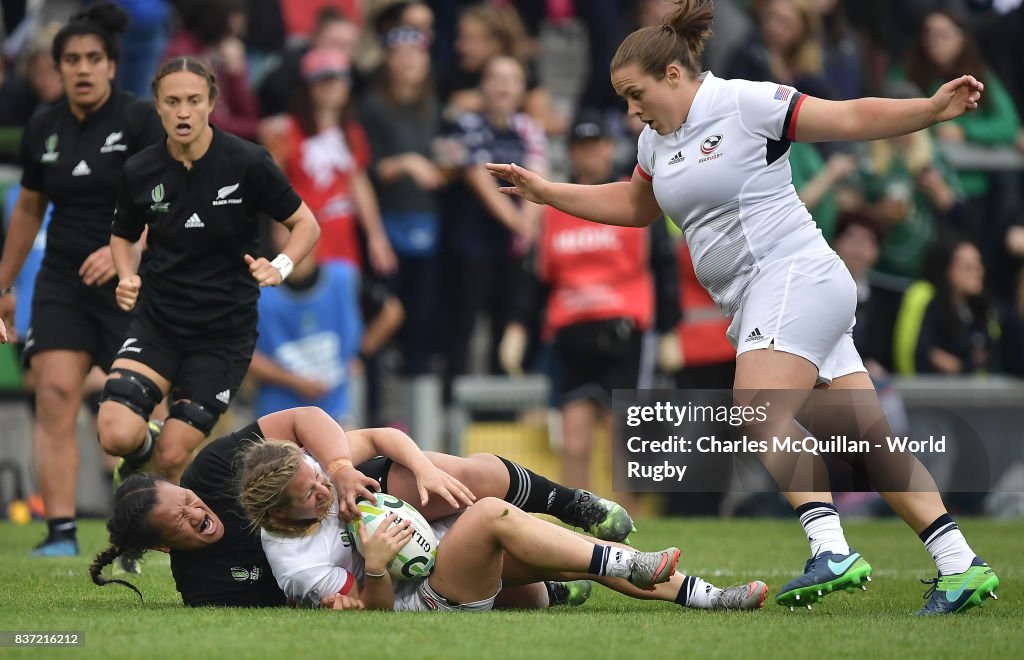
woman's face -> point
(183, 521)
(310, 494)
(330, 94)
(966, 272)
(475, 44)
(650, 100)
(942, 40)
(85, 71)
(781, 25)
(503, 85)
(408, 64)
(184, 105)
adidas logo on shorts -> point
(755, 335)
(224, 397)
(194, 222)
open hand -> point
(382, 546)
(435, 480)
(98, 267)
(526, 184)
(352, 485)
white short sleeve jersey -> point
(319, 564)
(724, 176)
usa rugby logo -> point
(708, 146)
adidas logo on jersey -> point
(194, 222)
(222, 195)
(113, 143)
(224, 397)
(678, 158)
(755, 335)
(82, 169)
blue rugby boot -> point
(824, 574)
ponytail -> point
(680, 39)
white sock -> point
(824, 530)
(611, 561)
(949, 548)
(697, 593)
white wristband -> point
(283, 264)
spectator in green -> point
(944, 45)
(815, 181)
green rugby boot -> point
(960, 592)
(824, 574)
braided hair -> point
(130, 531)
(267, 469)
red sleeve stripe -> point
(794, 111)
(645, 175)
(347, 587)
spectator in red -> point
(324, 152)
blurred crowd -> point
(382, 113)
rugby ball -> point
(416, 558)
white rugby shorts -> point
(805, 304)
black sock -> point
(60, 529)
(683, 597)
(536, 494)
(937, 524)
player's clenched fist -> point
(263, 271)
(127, 293)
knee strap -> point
(195, 415)
(133, 390)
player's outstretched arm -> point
(400, 448)
(316, 431)
(819, 120)
(624, 204)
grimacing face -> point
(310, 494)
(183, 520)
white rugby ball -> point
(416, 558)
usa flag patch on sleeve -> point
(782, 93)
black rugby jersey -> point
(77, 164)
(201, 224)
(233, 571)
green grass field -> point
(56, 594)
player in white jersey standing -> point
(713, 156)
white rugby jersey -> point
(724, 176)
(316, 565)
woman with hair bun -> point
(714, 157)
(72, 153)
